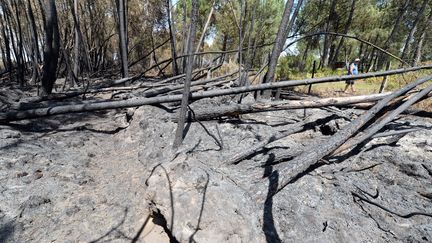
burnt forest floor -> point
(98, 177)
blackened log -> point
(237, 109)
(313, 154)
(359, 138)
(9, 116)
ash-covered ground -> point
(97, 177)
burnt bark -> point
(77, 40)
(312, 155)
(51, 48)
(123, 36)
(237, 109)
(172, 32)
(190, 60)
(20, 47)
(34, 43)
(54, 110)
(279, 42)
(9, 65)
(370, 131)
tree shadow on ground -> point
(114, 232)
(53, 125)
(191, 238)
(6, 231)
(159, 218)
(269, 227)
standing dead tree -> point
(123, 42)
(78, 43)
(172, 32)
(34, 43)
(51, 48)
(189, 66)
(279, 42)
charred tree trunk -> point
(54, 110)
(305, 56)
(249, 56)
(76, 66)
(224, 47)
(313, 155)
(237, 109)
(172, 31)
(370, 131)
(184, 37)
(279, 42)
(20, 52)
(294, 17)
(9, 65)
(288, 30)
(190, 60)
(34, 43)
(51, 48)
(121, 11)
(241, 35)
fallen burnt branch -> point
(181, 76)
(285, 156)
(409, 111)
(259, 146)
(237, 109)
(408, 215)
(169, 60)
(167, 89)
(161, 89)
(62, 96)
(10, 116)
(101, 88)
(369, 132)
(313, 154)
(295, 128)
(395, 133)
(148, 54)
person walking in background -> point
(352, 70)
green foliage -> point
(373, 21)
